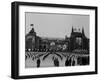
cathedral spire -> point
(83, 31)
(72, 30)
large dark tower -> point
(78, 40)
(31, 38)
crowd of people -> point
(70, 60)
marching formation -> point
(43, 59)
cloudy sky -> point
(56, 25)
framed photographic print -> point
(50, 40)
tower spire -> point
(72, 29)
(82, 30)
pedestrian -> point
(33, 58)
(67, 62)
(73, 61)
(38, 63)
(56, 62)
(25, 57)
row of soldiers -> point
(70, 60)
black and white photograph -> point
(50, 40)
(56, 40)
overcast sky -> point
(56, 25)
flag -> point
(31, 24)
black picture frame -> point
(15, 39)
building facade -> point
(77, 41)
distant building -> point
(77, 40)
